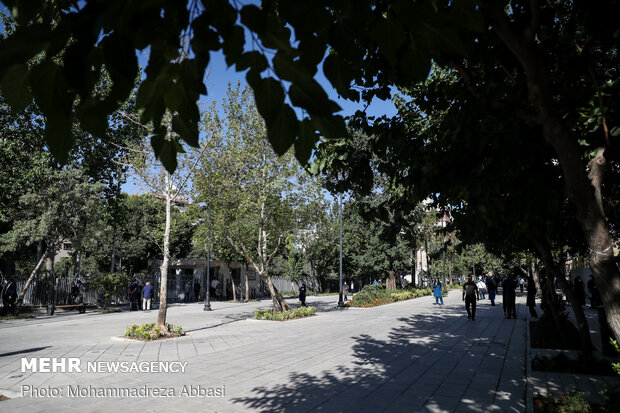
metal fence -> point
(45, 290)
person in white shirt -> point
(214, 284)
(482, 288)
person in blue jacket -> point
(437, 291)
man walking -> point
(470, 296)
(508, 291)
(147, 296)
(302, 295)
(492, 289)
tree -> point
(373, 46)
(51, 214)
(253, 193)
(169, 187)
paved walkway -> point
(404, 357)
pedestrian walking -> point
(521, 283)
(595, 295)
(492, 289)
(508, 293)
(482, 288)
(531, 296)
(345, 290)
(470, 296)
(578, 291)
(437, 292)
(147, 296)
(302, 295)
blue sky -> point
(220, 76)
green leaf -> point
(23, 45)
(390, 36)
(311, 96)
(253, 18)
(150, 102)
(283, 130)
(55, 100)
(269, 97)
(331, 127)
(615, 131)
(233, 44)
(187, 132)
(338, 72)
(165, 149)
(416, 64)
(15, 87)
(306, 142)
(252, 59)
(290, 70)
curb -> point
(529, 392)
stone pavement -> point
(404, 357)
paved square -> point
(404, 357)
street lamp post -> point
(340, 301)
(207, 306)
(443, 240)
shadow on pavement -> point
(27, 350)
(390, 372)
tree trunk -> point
(414, 261)
(313, 276)
(22, 294)
(535, 275)
(390, 283)
(247, 283)
(163, 290)
(233, 286)
(582, 188)
(428, 260)
(113, 260)
(585, 340)
(279, 303)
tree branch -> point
(530, 32)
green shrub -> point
(374, 295)
(150, 331)
(109, 285)
(270, 314)
(571, 403)
(612, 390)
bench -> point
(80, 307)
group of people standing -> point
(135, 291)
(474, 291)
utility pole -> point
(340, 301)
